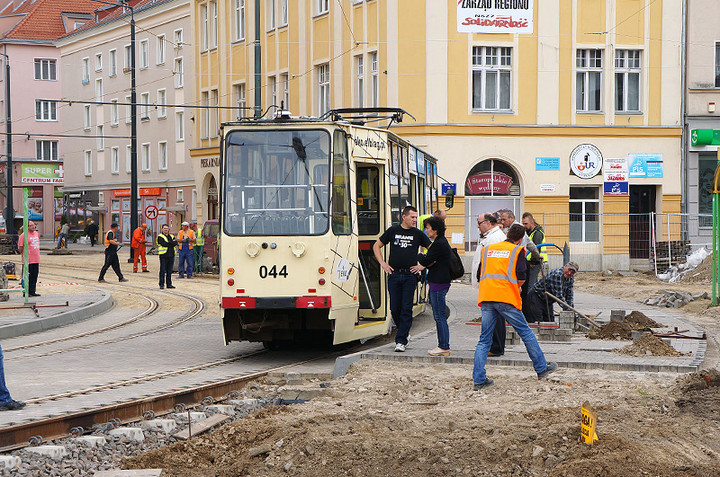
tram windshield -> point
(277, 182)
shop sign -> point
(486, 182)
(586, 161)
(616, 169)
(121, 193)
(150, 191)
(547, 163)
(495, 16)
(616, 188)
(43, 173)
(210, 162)
(646, 165)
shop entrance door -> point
(642, 204)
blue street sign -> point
(448, 185)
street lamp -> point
(10, 209)
(133, 120)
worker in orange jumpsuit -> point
(138, 245)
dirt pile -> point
(396, 419)
(615, 330)
(649, 345)
(640, 320)
(701, 274)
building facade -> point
(569, 109)
(97, 84)
(27, 34)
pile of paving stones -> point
(106, 446)
(674, 299)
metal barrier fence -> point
(601, 241)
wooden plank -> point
(200, 427)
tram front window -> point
(277, 182)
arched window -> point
(492, 177)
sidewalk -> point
(579, 352)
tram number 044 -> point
(273, 271)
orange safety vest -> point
(498, 280)
(181, 237)
(107, 243)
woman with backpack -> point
(437, 261)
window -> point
(113, 63)
(374, 79)
(162, 156)
(180, 126)
(706, 172)
(240, 100)
(283, 12)
(144, 106)
(88, 163)
(128, 109)
(323, 75)
(46, 150)
(161, 103)
(178, 72)
(98, 61)
(115, 160)
(360, 79)
(205, 114)
(45, 110)
(114, 112)
(239, 20)
(491, 78)
(203, 27)
(161, 49)
(213, 25)
(215, 114)
(87, 118)
(270, 14)
(285, 80)
(180, 196)
(100, 137)
(584, 214)
(144, 54)
(128, 59)
(46, 70)
(272, 87)
(627, 80)
(128, 159)
(588, 80)
(99, 89)
(322, 6)
(145, 154)
(85, 70)
(341, 210)
(178, 38)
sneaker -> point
(101, 281)
(486, 384)
(551, 367)
(439, 352)
(123, 280)
(399, 348)
(12, 405)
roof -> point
(109, 13)
(45, 19)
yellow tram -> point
(303, 201)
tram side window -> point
(395, 198)
(368, 200)
(341, 186)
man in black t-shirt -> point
(111, 257)
(404, 240)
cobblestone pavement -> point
(579, 352)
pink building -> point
(28, 29)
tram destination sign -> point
(495, 16)
(369, 143)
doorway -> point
(642, 204)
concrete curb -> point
(84, 312)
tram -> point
(302, 203)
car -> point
(211, 232)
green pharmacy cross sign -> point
(705, 137)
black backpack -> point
(456, 266)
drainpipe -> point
(683, 111)
(258, 79)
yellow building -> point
(569, 109)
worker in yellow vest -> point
(198, 248)
(502, 272)
(166, 251)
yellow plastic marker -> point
(587, 425)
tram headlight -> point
(321, 270)
(298, 249)
(231, 271)
(253, 249)
(231, 282)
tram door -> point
(370, 205)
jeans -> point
(437, 300)
(402, 290)
(185, 263)
(4, 393)
(491, 311)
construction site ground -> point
(421, 417)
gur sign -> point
(495, 16)
(586, 161)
